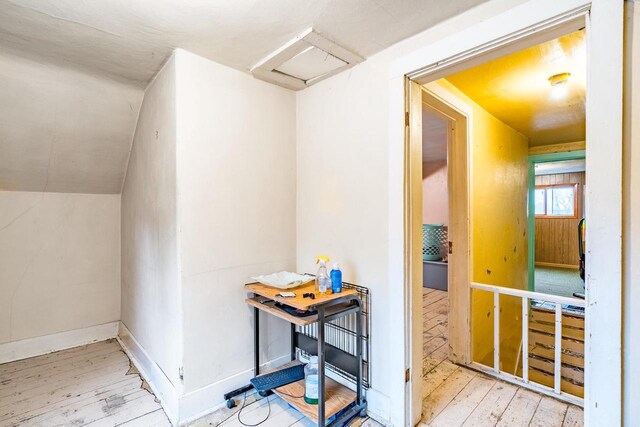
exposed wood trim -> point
(413, 242)
(459, 182)
(558, 148)
(551, 264)
(575, 201)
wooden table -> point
(333, 398)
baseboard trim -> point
(203, 401)
(551, 264)
(378, 407)
(151, 372)
(38, 346)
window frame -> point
(575, 201)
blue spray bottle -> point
(336, 279)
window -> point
(556, 201)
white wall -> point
(435, 194)
(150, 270)
(631, 215)
(343, 208)
(236, 203)
(62, 129)
(59, 262)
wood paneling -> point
(557, 238)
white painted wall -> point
(150, 263)
(59, 263)
(62, 129)
(343, 190)
(236, 203)
(435, 194)
(631, 217)
(359, 115)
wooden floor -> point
(455, 396)
(92, 385)
(279, 413)
(95, 385)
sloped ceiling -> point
(516, 90)
(130, 39)
(73, 72)
(63, 130)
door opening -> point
(518, 28)
(492, 318)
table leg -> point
(321, 394)
(293, 341)
(256, 341)
(359, 354)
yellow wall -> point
(499, 174)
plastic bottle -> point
(311, 381)
(323, 282)
(336, 279)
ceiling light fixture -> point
(558, 85)
(559, 79)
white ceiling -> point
(73, 70)
(434, 137)
(131, 38)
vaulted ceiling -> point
(74, 71)
(516, 89)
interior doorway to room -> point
(437, 129)
(520, 112)
(557, 255)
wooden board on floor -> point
(455, 396)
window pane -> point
(562, 201)
(540, 194)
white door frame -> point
(518, 28)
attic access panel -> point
(303, 61)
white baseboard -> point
(198, 403)
(162, 387)
(182, 409)
(378, 407)
(31, 347)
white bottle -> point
(311, 381)
(323, 282)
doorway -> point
(445, 225)
(498, 187)
(519, 27)
(557, 223)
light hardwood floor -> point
(92, 385)
(280, 414)
(96, 385)
(455, 396)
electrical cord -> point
(244, 401)
(290, 395)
